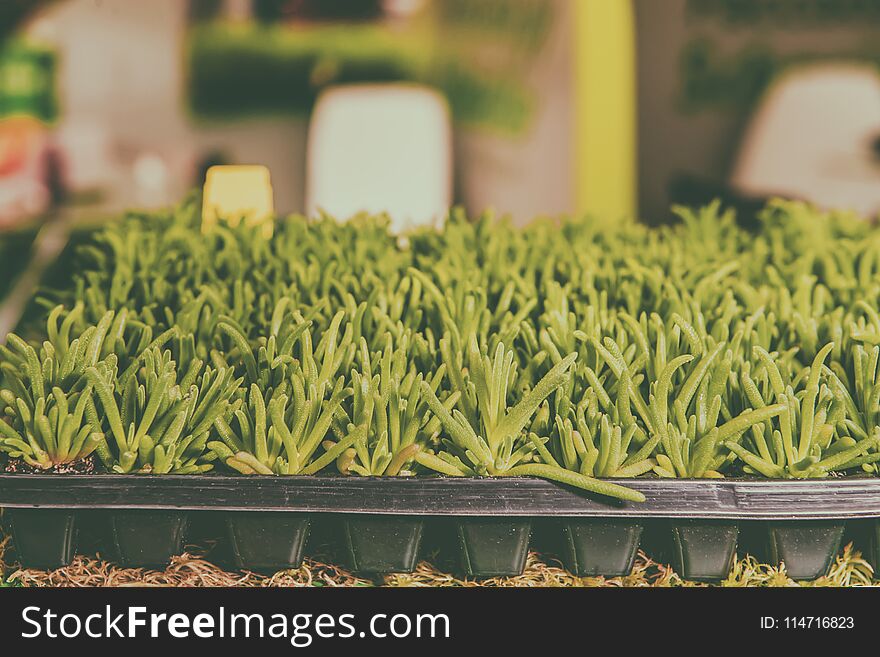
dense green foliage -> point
(568, 351)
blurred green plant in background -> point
(475, 53)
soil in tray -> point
(600, 546)
(268, 540)
(703, 550)
(383, 544)
(148, 538)
(494, 547)
(43, 538)
(85, 466)
(807, 547)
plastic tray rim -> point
(736, 499)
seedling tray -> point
(382, 543)
(802, 522)
(268, 541)
(148, 537)
(600, 546)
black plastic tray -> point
(447, 496)
(695, 523)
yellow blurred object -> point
(236, 193)
(605, 101)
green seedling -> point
(491, 441)
(802, 444)
(391, 409)
(46, 396)
(159, 420)
(566, 350)
(283, 436)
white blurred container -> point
(381, 148)
(814, 137)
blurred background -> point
(531, 107)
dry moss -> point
(190, 570)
